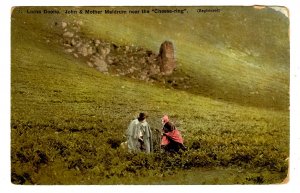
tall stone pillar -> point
(166, 58)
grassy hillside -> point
(239, 55)
(67, 120)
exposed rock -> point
(68, 34)
(78, 44)
(90, 51)
(166, 58)
(143, 77)
(124, 60)
(142, 61)
(107, 50)
(90, 64)
(84, 51)
(63, 24)
(104, 51)
(109, 60)
(97, 42)
(73, 42)
(100, 64)
(76, 29)
(67, 45)
(79, 22)
(131, 59)
(154, 69)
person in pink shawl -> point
(172, 140)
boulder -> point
(69, 50)
(64, 24)
(104, 51)
(68, 34)
(90, 64)
(79, 22)
(73, 42)
(154, 69)
(84, 51)
(100, 64)
(90, 51)
(97, 42)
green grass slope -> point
(240, 54)
(67, 121)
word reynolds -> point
(208, 10)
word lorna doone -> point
(45, 11)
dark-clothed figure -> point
(172, 140)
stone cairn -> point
(110, 58)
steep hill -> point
(68, 119)
(240, 54)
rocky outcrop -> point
(166, 58)
(110, 58)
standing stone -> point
(166, 58)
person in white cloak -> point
(139, 135)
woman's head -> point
(165, 119)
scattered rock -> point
(124, 60)
(73, 42)
(131, 70)
(104, 51)
(64, 24)
(110, 61)
(154, 69)
(142, 60)
(90, 51)
(68, 34)
(79, 22)
(100, 64)
(97, 42)
(90, 64)
(78, 44)
(84, 51)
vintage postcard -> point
(142, 95)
